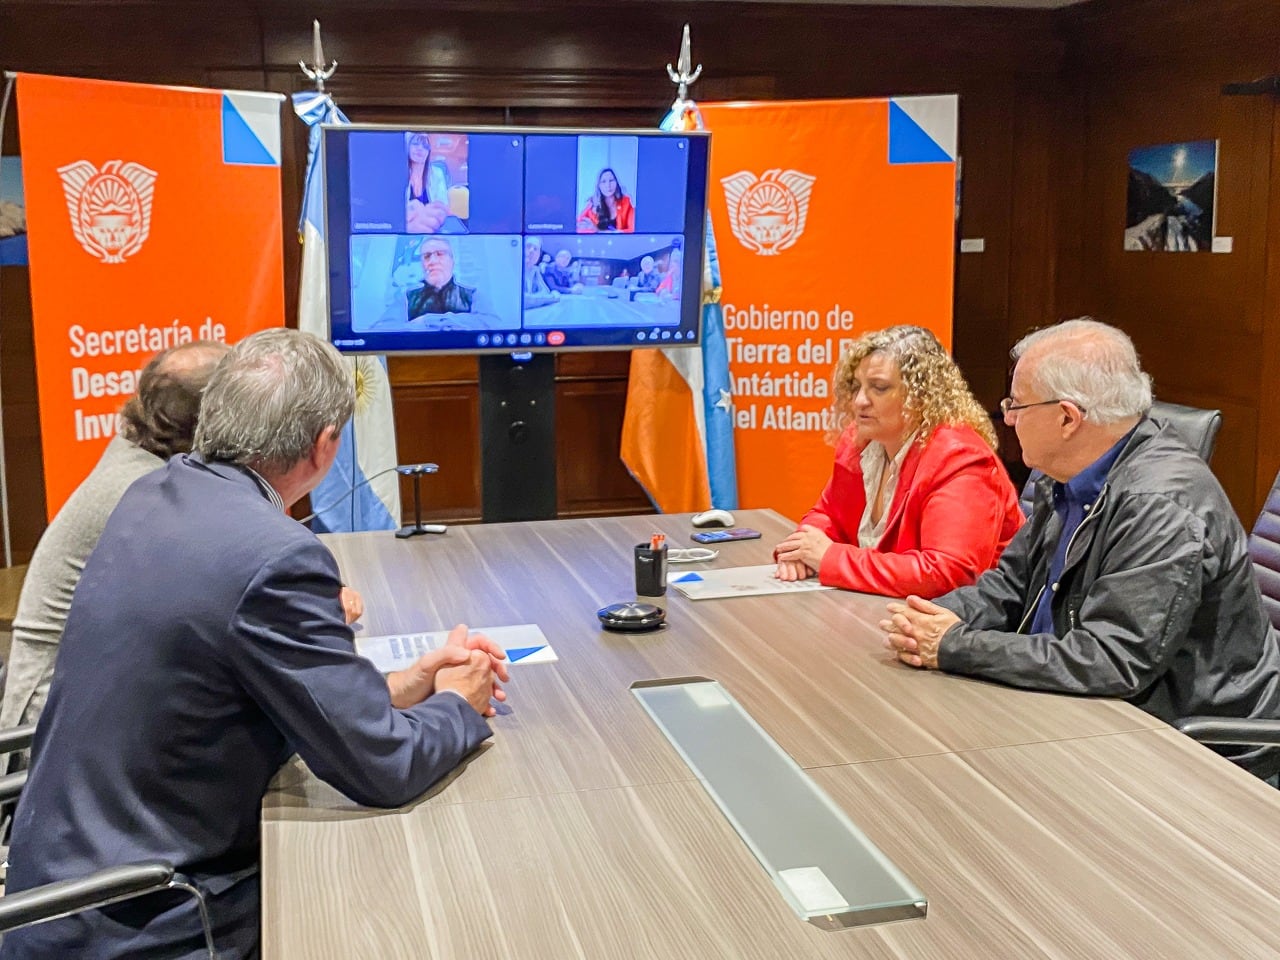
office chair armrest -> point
(65, 897)
(17, 738)
(11, 785)
(1226, 731)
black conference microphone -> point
(415, 470)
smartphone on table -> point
(724, 536)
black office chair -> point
(53, 901)
(1264, 552)
(11, 741)
(1197, 427)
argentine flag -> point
(369, 439)
(677, 431)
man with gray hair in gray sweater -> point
(157, 422)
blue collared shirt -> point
(1072, 502)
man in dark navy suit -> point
(206, 644)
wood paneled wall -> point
(1050, 103)
(1207, 326)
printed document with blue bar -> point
(524, 643)
(737, 582)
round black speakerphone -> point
(631, 616)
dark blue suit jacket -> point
(204, 646)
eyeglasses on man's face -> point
(1007, 406)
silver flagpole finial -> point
(684, 73)
(317, 71)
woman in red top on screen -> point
(918, 502)
(609, 207)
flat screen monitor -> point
(487, 239)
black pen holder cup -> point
(651, 575)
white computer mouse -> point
(712, 518)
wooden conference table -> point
(1037, 825)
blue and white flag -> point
(722, 468)
(369, 439)
(677, 431)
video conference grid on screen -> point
(498, 240)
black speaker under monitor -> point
(517, 437)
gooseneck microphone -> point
(415, 470)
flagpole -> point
(692, 389)
(367, 447)
(722, 474)
(318, 72)
(10, 80)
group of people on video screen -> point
(547, 277)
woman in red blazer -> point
(609, 208)
(918, 502)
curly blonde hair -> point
(936, 392)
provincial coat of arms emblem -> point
(767, 214)
(110, 208)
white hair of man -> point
(1092, 364)
(448, 244)
(270, 398)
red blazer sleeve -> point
(950, 519)
(838, 511)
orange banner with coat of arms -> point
(153, 219)
(834, 218)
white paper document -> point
(524, 643)
(737, 582)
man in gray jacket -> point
(156, 423)
(1132, 578)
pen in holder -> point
(651, 572)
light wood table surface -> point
(1037, 825)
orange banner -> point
(153, 219)
(832, 218)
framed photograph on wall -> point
(1171, 200)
